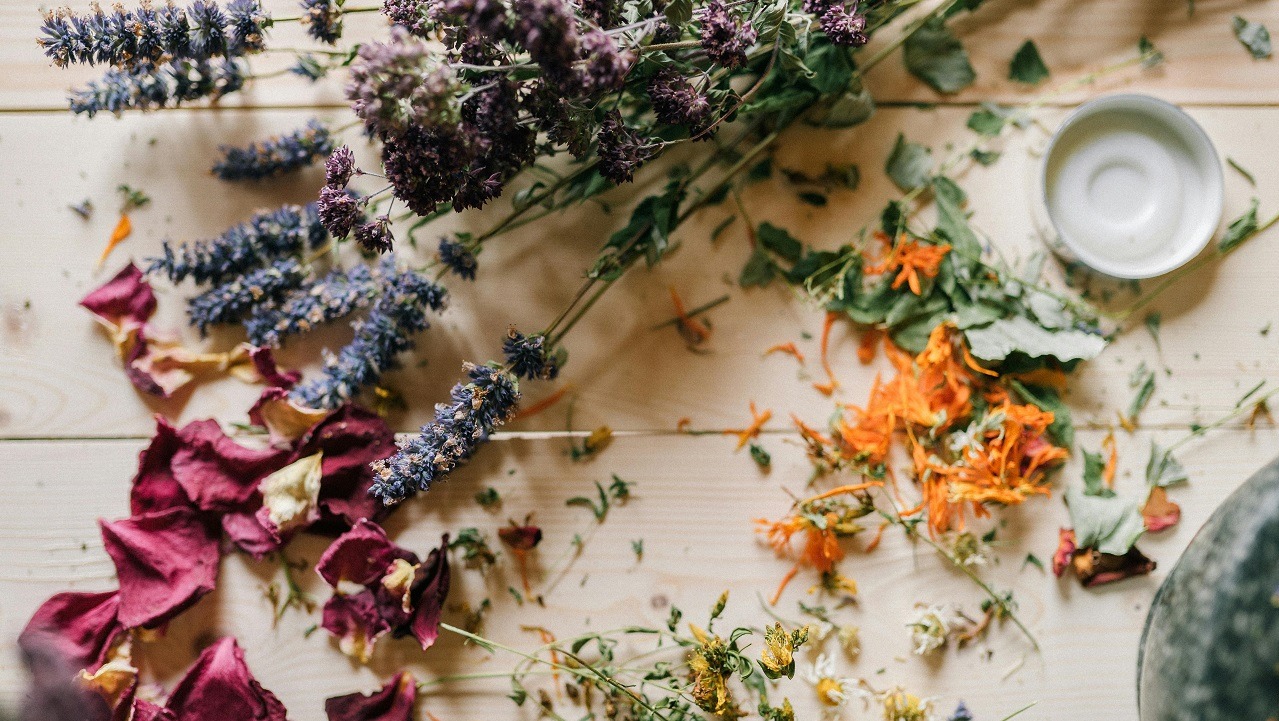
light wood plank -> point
(63, 379)
(1206, 64)
(685, 486)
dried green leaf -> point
(1027, 66)
(1163, 469)
(1109, 524)
(1144, 382)
(933, 54)
(1240, 229)
(909, 164)
(1252, 35)
(1019, 334)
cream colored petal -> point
(291, 493)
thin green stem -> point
(344, 11)
(1244, 408)
(910, 30)
(692, 313)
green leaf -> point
(1019, 334)
(1144, 382)
(761, 456)
(1240, 229)
(1148, 50)
(780, 242)
(989, 119)
(933, 54)
(1033, 560)
(679, 12)
(952, 221)
(985, 157)
(909, 164)
(759, 271)
(812, 198)
(849, 108)
(1153, 322)
(1094, 484)
(1027, 66)
(1110, 524)
(1163, 469)
(1253, 36)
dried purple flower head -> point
(399, 314)
(323, 20)
(529, 357)
(247, 27)
(426, 167)
(606, 66)
(147, 87)
(248, 245)
(412, 15)
(458, 258)
(209, 35)
(402, 83)
(725, 37)
(334, 296)
(677, 102)
(844, 25)
(339, 211)
(603, 13)
(621, 150)
(548, 31)
(232, 300)
(486, 400)
(339, 168)
(375, 236)
(277, 155)
(483, 21)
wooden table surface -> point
(71, 426)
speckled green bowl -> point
(1210, 650)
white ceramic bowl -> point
(1131, 186)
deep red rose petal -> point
(248, 532)
(354, 620)
(520, 538)
(360, 555)
(77, 627)
(165, 562)
(1065, 550)
(264, 363)
(394, 702)
(430, 592)
(219, 686)
(351, 438)
(134, 371)
(154, 488)
(126, 299)
(344, 500)
(147, 711)
(217, 473)
(1095, 568)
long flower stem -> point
(344, 11)
(910, 30)
(1245, 407)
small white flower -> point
(833, 691)
(969, 549)
(850, 639)
(929, 628)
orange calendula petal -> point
(831, 384)
(122, 230)
(1112, 460)
(543, 404)
(788, 348)
(867, 344)
(758, 420)
(682, 424)
(843, 490)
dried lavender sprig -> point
(276, 155)
(135, 39)
(487, 399)
(458, 258)
(323, 20)
(150, 87)
(334, 296)
(248, 245)
(399, 313)
(231, 301)
(529, 356)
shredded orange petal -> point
(777, 596)
(122, 230)
(543, 404)
(866, 346)
(694, 330)
(788, 348)
(745, 435)
(1112, 460)
(830, 386)
(682, 424)
(879, 536)
(842, 490)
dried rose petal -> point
(124, 302)
(154, 488)
(217, 473)
(344, 500)
(290, 495)
(360, 555)
(1159, 512)
(520, 538)
(285, 420)
(147, 711)
(1065, 550)
(1095, 568)
(269, 371)
(115, 680)
(166, 561)
(219, 686)
(355, 621)
(394, 702)
(430, 592)
(79, 628)
(54, 690)
(247, 532)
(351, 438)
(170, 366)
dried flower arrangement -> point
(467, 101)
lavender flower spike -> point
(323, 20)
(334, 296)
(458, 258)
(399, 313)
(529, 357)
(264, 237)
(275, 156)
(232, 300)
(147, 87)
(485, 401)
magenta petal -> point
(166, 561)
(137, 375)
(79, 628)
(219, 686)
(361, 555)
(430, 592)
(264, 363)
(394, 702)
(154, 488)
(248, 531)
(217, 473)
(344, 500)
(147, 711)
(125, 300)
(351, 438)
(353, 619)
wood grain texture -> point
(62, 378)
(1089, 637)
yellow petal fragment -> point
(291, 493)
